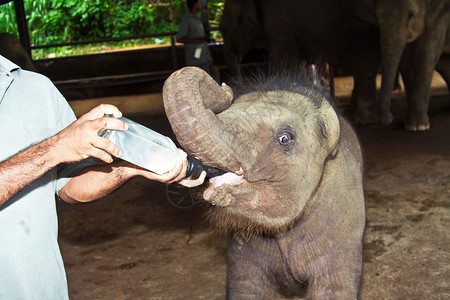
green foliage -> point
(215, 9)
(8, 18)
(57, 21)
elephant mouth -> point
(228, 179)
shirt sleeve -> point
(184, 28)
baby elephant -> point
(292, 197)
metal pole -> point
(205, 19)
(174, 53)
(22, 25)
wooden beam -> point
(149, 104)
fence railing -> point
(171, 34)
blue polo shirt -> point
(31, 110)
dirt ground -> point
(136, 245)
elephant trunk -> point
(191, 100)
(391, 52)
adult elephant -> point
(290, 30)
(11, 48)
(412, 35)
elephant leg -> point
(427, 50)
(326, 286)
(248, 264)
(407, 71)
(335, 273)
(364, 96)
(233, 62)
(443, 68)
(363, 60)
(417, 94)
(363, 101)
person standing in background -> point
(192, 35)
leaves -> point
(56, 21)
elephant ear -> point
(328, 120)
(330, 127)
(365, 11)
(191, 100)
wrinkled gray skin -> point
(292, 198)
(11, 48)
(293, 30)
(412, 35)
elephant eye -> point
(285, 139)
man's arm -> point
(24, 168)
(96, 182)
(76, 142)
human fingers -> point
(194, 182)
(101, 110)
(179, 171)
(80, 140)
(106, 146)
(107, 123)
(100, 154)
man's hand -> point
(194, 182)
(80, 140)
(177, 174)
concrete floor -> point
(136, 245)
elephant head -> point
(273, 138)
(242, 29)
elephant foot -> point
(415, 125)
(386, 118)
(363, 118)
